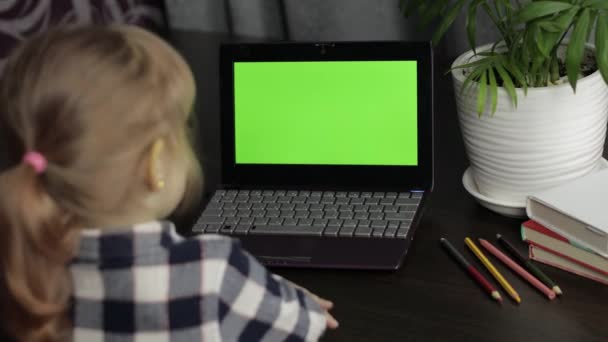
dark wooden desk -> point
(430, 298)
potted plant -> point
(533, 106)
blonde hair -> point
(91, 100)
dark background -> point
(430, 298)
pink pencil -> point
(518, 269)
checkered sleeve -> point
(256, 305)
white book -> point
(577, 210)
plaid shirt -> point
(146, 283)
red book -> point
(553, 249)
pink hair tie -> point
(36, 161)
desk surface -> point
(430, 297)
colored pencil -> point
(501, 280)
(517, 269)
(529, 265)
(485, 284)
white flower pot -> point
(552, 137)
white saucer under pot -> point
(505, 206)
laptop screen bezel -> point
(419, 177)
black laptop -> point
(327, 151)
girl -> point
(95, 123)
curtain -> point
(317, 20)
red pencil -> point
(472, 270)
(518, 269)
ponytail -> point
(35, 248)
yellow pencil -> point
(492, 270)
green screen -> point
(332, 113)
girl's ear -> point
(156, 170)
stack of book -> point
(569, 227)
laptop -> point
(327, 151)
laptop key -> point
(270, 199)
(255, 193)
(390, 232)
(261, 220)
(316, 194)
(298, 199)
(285, 199)
(227, 229)
(387, 201)
(313, 200)
(331, 231)
(342, 200)
(244, 206)
(214, 205)
(409, 207)
(391, 195)
(335, 223)
(316, 214)
(402, 216)
(212, 212)
(379, 194)
(349, 223)
(305, 222)
(301, 214)
(290, 222)
(378, 232)
(232, 221)
(229, 206)
(346, 215)
(320, 222)
(376, 216)
(346, 231)
(229, 213)
(287, 213)
(375, 208)
(393, 224)
(275, 221)
(346, 207)
(302, 206)
(255, 199)
(405, 224)
(401, 201)
(340, 194)
(246, 220)
(361, 216)
(328, 200)
(402, 232)
(281, 230)
(213, 228)
(329, 194)
(391, 209)
(357, 201)
(316, 207)
(353, 194)
(416, 194)
(379, 224)
(304, 193)
(213, 220)
(404, 195)
(272, 206)
(241, 229)
(292, 193)
(363, 232)
(288, 206)
(366, 194)
(364, 223)
(280, 193)
(273, 213)
(258, 213)
(331, 214)
(361, 208)
(372, 201)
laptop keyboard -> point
(310, 213)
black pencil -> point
(473, 272)
(529, 265)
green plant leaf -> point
(539, 9)
(447, 20)
(432, 12)
(601, 45)
(507, 83)
(481, 96)
(597, 4)
(482, 61)
(493, 89)
(473, 76)
(576, 47)
(471, 23)
(514, 70)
